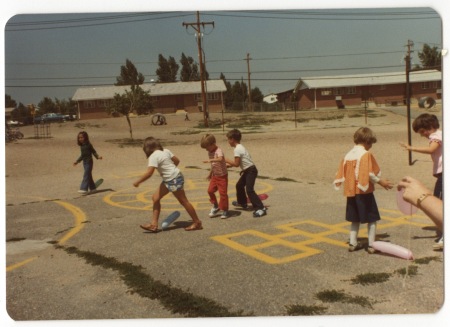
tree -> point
(66, 107)
(189, 69)
(430, 57)
(47, 105)
(133, 100)
(10, 102)
(257, 96)
(228, 97)
(129, 75)
(167, 69)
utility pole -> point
(197, 27)
(408, 96)
(249, 84)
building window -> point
(337, 91)
(383, 87)
(326, 92)
(434, 85)
(103, 103)
(351, 90)
(210, 96)
(89, 104)
(425, 85)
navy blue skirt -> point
(362, 209)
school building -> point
(166, 97)
(359, 90)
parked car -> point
(49, 118)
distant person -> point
(359, 171)
(87, 152)
(218, 176)
(419, 195)
(249, 172)
(166, 163)
(186, 116)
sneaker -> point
(213, 212)
(82, 191)
(260, 212)
(439, 245)
(237, 204)
(352, 248)
(224, 215)
(371, 250)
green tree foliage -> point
(189, 69)
(129, 75)
(47, 105)
(228, 96)
(167, 69)
(257, 96)
(134, 100)
(239, 93)
(430, 57)
(65, 107)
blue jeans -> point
(88, 181)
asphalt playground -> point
(245, 266)
(84, 258)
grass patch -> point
(285, 179)
(16, 239)
(371, 278)
(186, 132)
(305, 310)
(127, 142)
(172, 298)
(193, 167)
(341, 296)
(88, 125)
(427, 260)
(412, 271)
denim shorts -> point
(175, 184)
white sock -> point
(354, 228)
(371, 232)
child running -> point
(427, 125)
(246, 182)
(218, 176)
(87, 152)
(172, 181)
(359, 172)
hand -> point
(406, 146)
(136, 184)
(386, 184)
(75, 163)
(205, 161)
(413, 189)
(100, 158)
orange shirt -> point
(358, 171)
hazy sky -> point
(50, 55)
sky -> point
(49, 54)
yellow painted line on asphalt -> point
(20, 264)
(80, 218)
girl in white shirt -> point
(166, 163)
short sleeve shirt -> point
(218, 168)
(162, 161)
(246, 160)
(436, 156)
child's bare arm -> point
(235, 163)
(426, 150)
(144, 177)
(175, 160)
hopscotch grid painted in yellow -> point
(304, 246)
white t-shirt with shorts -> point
(162, 161)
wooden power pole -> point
(197, 27)
(408, 97)
(249, 84)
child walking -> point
(359, 171)
(87, 152)
(218, 176)
(246, 183)
(427, 125)
(166, 163)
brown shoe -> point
(194, 226)
(150, 228)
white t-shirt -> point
(246, 160)
(162, 161)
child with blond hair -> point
(218, 176)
